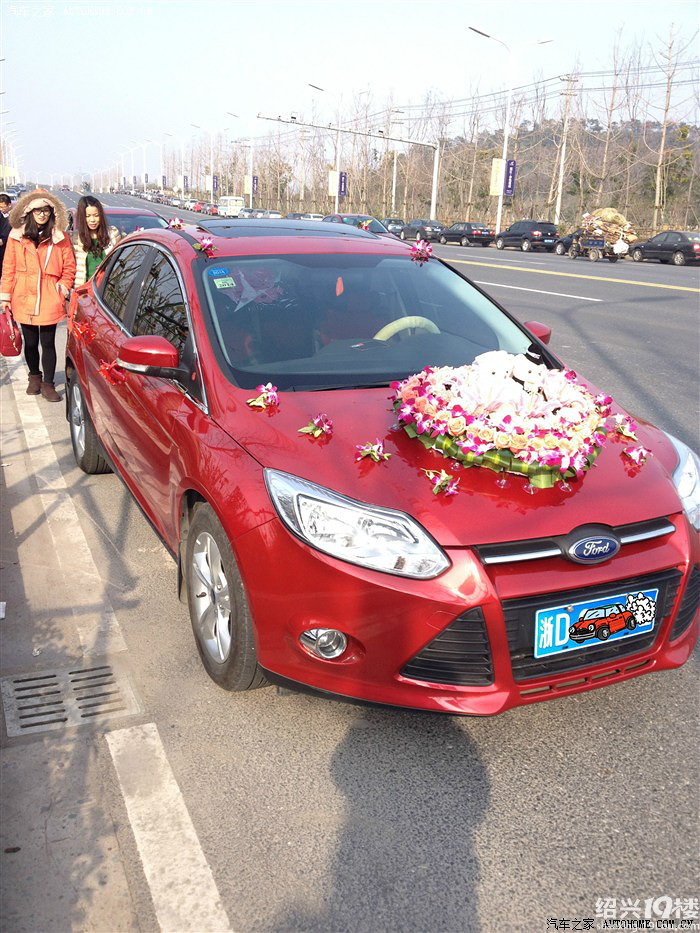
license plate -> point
(570, 627)
(549, 241)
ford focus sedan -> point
(241, 379)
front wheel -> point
(678, 259)
(402, 235)
(443, 241)
(594, 254)
(559, 249)
(603, 633)
(637, 255)
(87, 449)
(526, 246)
(464, 241)
(499, 243)
(218, 605)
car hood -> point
(613, 492)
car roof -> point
(114, 210)
(231, 228)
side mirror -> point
(151, 356)
(541, 331)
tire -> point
(603, 633)
(402, 235)
(631, 624)
(220, 616)
(637, 255)
(464, 241)
(526, 246)
(443, 241)
(572, 254)
(500, 244)
(559, 249)
(594, 254)
(87, 449)
(678, 259)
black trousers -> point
(44, 334)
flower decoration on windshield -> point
(443, 482)
(638, 454)
(175, 223)
(268, 397)
(319, 426)
(374, 451)
(626, 427)
(206, 246)
(111, 372)
(139, 229)
(421, 251)
(365, 224)
(506, 413)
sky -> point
(86, 79)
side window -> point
(659, 239)
(673, 239)
(161, 308)
(121, 277)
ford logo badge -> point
(593, 549)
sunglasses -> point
(41, 210)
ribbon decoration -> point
(111, 372)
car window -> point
(127, 223)
(673, 238)
(658, 239)
(121, 277)
(161, 306)
(591, 614)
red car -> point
(197, 207)
(200, 376)
(601, 623)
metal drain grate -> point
(48, 700)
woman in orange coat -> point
(37, 274)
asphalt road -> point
(317, 815)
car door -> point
(512, 235)
(654, 248)
(152, 407)
(672, 244)
(100, 314)
(454, 233)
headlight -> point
(368, 535)
(686, 477)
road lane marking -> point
(98, 630)
(185, 896)
(537, 291)
(574, 275)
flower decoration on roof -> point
(175, 223)
(318, 426)
(111, 372)
(443, 482)
(374, 451)
(268, 397)
(506, 413)
(638, 454)
(206, 246)
(421, 251)
(626, 427)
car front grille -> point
(460, 655)
(519, 615)
(689, 604)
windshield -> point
(127, 223)
(321, 321)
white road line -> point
(185, 896)
(98, 629)
(537, 291)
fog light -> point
(326, 643)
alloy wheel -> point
(212, 599)
(77, 421)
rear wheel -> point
(443, 241)
(559, 249)
(526, 246)
(403, 234)
(464, 241)
(631, 624)
(678, 259)
(499, 243)
(87, 449)
(603, 633)
(594, 254)
(637, 255)
(573, 252)
(218, 605)
(613, 258)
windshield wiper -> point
(346, 385)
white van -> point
(230, 206)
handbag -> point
(10, 335)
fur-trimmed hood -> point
(20, 209)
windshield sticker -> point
(226, 282)
(218, 270)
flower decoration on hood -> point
(374, 451)
(505, 413)
(421, 251)
(626, 427)
(268, 397)
(637, 455)
(206, 246)
(318, 426)
(443, 482)
(175, 223)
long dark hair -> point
(85, 234)
(37, 233)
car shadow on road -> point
(415, 792)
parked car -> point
(246, 212)
(394, 225)
(527, 235)
(197, 207)
(272, 215)
(188, 204)
(673, 246)
(467, 233)
(209, 208)
(422, 230)
(305, 564)
(366, 221)
(564, 243)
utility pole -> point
(562, 149)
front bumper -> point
(391, 623)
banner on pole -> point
(498, 171)
(185, 183)
(509, 185)
(343, 184)
(215, 183)
(247, 184)
(164, 180)
(333, 183)
(255, 184)
(145, 178)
